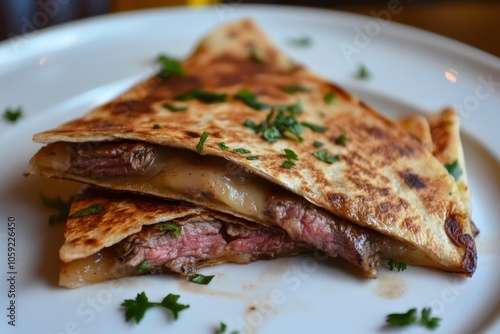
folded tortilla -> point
(130, 234)
(370, 191)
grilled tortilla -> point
(132, 234)
(380, 182)
(440, 133)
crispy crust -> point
(385, 180)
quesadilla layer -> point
(440, 134)
(131, 235)
(239, 101)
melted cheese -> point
(177, 174)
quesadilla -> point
(440, 134)
(132, 234)
(241, 129)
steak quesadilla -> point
(241, 129)
(134, 234)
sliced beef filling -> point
(112, 159)
(301, 220)
(204, 240)
(335, 236)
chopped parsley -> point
(341, 139)
(136, 308)
(241, 151)
(222, 329)
(60, 205)
(250, 99)
(252, 157)
(363, 73)
(12, 115)
(329, 98)
(290, 154)
(272, 134)
(454, 169)
(256, 56)
(295, 89)
(314, 127)
(176, 230)
(400, 266)
(201, 143)
(173, 108)
(303, 42)
(411, 318)
(288, 164)
(91, 210)
(169, 67)
(156, 126)
(223, 146)
(144, 267)
(318, 144)
(294, 109)
(203, 96)
(201, 279)
(325, 157)
(279, 122)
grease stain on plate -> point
(390, 287)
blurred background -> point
(475, 23)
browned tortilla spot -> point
(413, 181)
(470, 258)
(337, 200)
(454, 231)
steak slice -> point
(307, 223)
(204, 240)
(111, 158)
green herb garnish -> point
(201, 279)
(363, 73)
(295, 89)
(252, 157)
(203, 96)
(156, 126)
(277, 124)
(91, 210)
(329, 98)
(222, 329)
(454, 169)
(144, 267)
(223, 146)
(12, 115)
(318, 144)
(325, 157)
(256, 56)
(400, 266)
(176, 230)
(60, 205)
(241, 151)
(201, 142)
(290, 154)
(411, 318)
(294, 109)
(314, 127)
(170, 66)
(301, 41)
(341, 139)
(136, 308)
(173, 108)
(250, 99)
(288, 164)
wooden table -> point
(475, 23)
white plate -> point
(61, 73)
